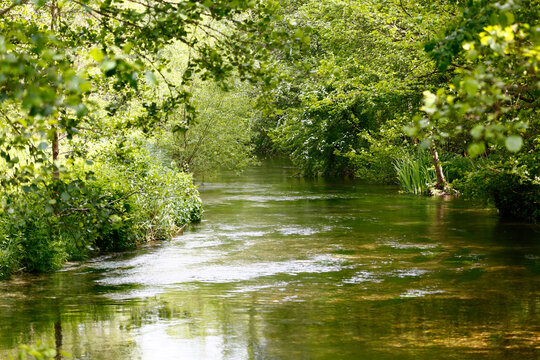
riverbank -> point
(112, 203)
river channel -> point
(288, 268)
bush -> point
(9, 255)
(513, 195)
(120, 199)
(457, 167)
(375, 166)
(159, 198)
(374, 161)
(28, 239)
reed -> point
(415, 175)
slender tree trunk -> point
(55, 152)
(441, 181)
(55, 142)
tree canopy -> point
(380, 83)
(62, 62)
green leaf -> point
(471, 86)
(85, 86)
(425, 144)
(506, 19)
(477, 131)
(476, 149)
(108, 66)
(96, 54)
(43, 146)
(151, 77)
(513, 143)
(410, 130)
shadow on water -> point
(288, 268)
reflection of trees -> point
(62, 310)
(254, 324)
(255, 346)
(58, 332)
(426, 328)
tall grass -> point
(415, 175)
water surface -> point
(287, 268)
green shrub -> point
(121, 198)
(514, 196)
(458, 167)
(374, 161)
(159, 199)
(9, 255)
(29, 238)
(375, 166)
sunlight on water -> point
(287, 268)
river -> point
(288, 268)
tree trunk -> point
(441, 181)
(55, 145)
(55, 152)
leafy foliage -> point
(121, 198)
(459, 78)
(77, 75)
(220, 137)
(363, 67)
(56, 57)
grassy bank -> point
(117, 198)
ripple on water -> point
(364, 276)
(257, 287)
(401, 246)
(297, 230)
(412, 293)
(369, 276)
(288, 197)
(178, 272)
(403, 273)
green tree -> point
(80, 80)
(219, 138)
(56, 56)
(364, 67)
(492, 102)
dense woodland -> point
(108, 107)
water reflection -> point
(287, 268)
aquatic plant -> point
(414, 174)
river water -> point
(288, 268)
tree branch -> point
(9, 8)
